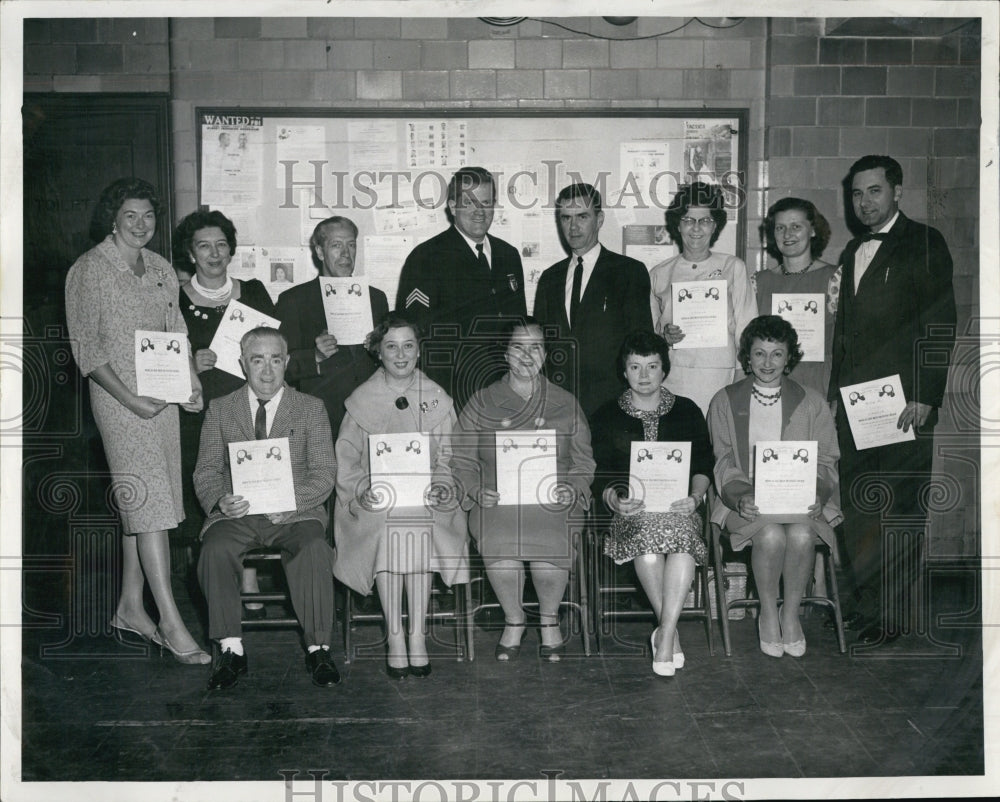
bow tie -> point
(868, 236)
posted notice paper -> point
(262, 474)
(701, 309)
(804, 310)
(162, 366)
(348, 309)
(237, 320)
(872, 411)
(659, 473)
(527, 471)
(400, 467)
(784, 476)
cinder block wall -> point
(829, 93)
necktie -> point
(260, 421)
(574, 301)
(868, 236)
(483, 263)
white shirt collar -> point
(472, 244)
(889, 225)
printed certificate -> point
(527, 471)
(162, 366)
(872, 411)
(262, 474)
(400, 465)
(237, 320)
(701, 310)
(784, 476)
(805, 311)
(659, 473)
(348, 310)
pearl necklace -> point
(788, 272)
(212, 295)
(765, 399)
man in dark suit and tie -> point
(318, 364)
(460, 285)
(896, 315)
(594, 298)
(267, 408)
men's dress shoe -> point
(324, 672)
(875, 634)
(854, 622)
(420, 671)
(228, 671)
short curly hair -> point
(821, 228)
(389, 321)
(697, 193)
(195, 222)
(643, 343)
(775, 329)
(111, 199)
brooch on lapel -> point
(424, 406)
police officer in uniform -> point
(460, 285)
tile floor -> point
(133, 715)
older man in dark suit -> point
(594, 298)
(896, 315)
(267, 408)
(460, 285)
(318, 364)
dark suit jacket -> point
(300, 310)
(902, 313)
(299, 417)
(460, 307)
(615, 302)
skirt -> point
(655, 533)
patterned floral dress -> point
(615, 427)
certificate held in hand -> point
(348, 309)
(659, 473)
(163, 366)
(262, 474)
(237, 320)
(701, 310)
(527, 470)
(872, 410)
(400, 467)
(784, 477)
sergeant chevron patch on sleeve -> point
(417, 297)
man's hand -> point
(233, 506)
(914, 414)
(326, 346)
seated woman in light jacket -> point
(376, 539)
(767, 405)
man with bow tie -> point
(896, 315)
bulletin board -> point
(278, 172)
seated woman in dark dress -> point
(665, 546)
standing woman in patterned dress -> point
(113, 290)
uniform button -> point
(493, 292)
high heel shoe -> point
(507, 654)
(662, 668)
(420, 671)
(396, 673)
(770, 648)
(192, 657)
(552, 654)
(795, 649)
(120, 627)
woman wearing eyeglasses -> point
(695, 219)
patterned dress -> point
(105, 304)
(615, 426)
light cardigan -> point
(805, 415)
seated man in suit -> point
(593, 306)
(266, 408)
(459, 286)
(318, 364)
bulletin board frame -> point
(612, 132)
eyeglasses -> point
(701, 222)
